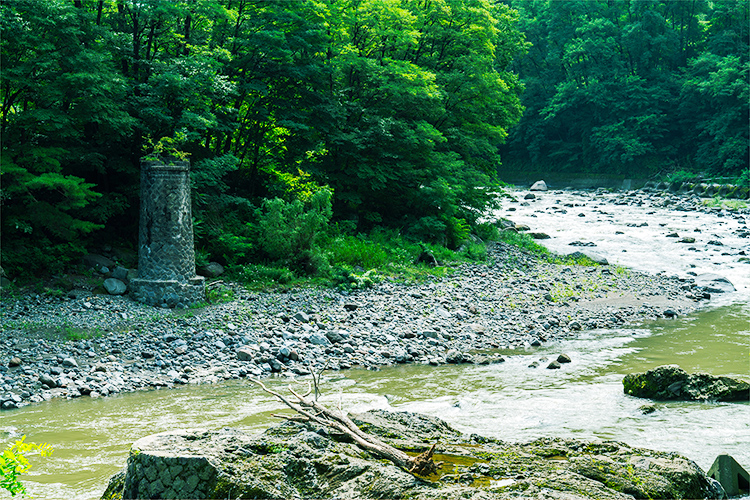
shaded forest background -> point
(354, 115)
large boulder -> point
(672, 382)
(294, 460)
(538, 186)
(96, 261)
(714, 283)
(211, 270)
(115, 286)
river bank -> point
(514, 300)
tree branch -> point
(422, 464)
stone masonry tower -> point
(166, 252)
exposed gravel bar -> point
(471, 316)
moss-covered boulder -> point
(670, 382)
(292, 460)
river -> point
(509, 400)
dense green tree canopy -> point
(399, 108)
(633, 87)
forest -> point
(395, 117)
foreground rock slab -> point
(672, 382)
(293, 460)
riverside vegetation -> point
(398, 109)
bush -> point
(345, 277)
(487, 231)
(681, 176)
(261, 275)
(288, 231)
(744, 179)
(356, 251)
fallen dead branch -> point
(312, 411)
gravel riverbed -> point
(513, 300)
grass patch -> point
(718, 202)
(47, 330)
(219, 293)
(524, 241)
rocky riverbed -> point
(513, 300)
(294, 460)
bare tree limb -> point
(312, 411)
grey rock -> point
(563, 358)
(593, 256)
(302, 316)
(539, 236)
(47, 380)
(554, 365)
(120, 273)
(454, 357)
(115, 286)
(70, 362)
(714, 283)
(318, 339)
(647, 409)
(334, 336)
(97, 261)
(211, 270)
(582, 244)
(245, 353)
(538, 186)
(671, 382)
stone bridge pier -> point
(166, 248)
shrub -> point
(258, 274)
(356, 251)
(345, 277)
(487, 231)
(288, 231)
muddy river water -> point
(511, 401)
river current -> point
(509, 400)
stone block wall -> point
(166, 248)
(156, 471)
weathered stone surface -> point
(538, 186)
(115, 286)
(245, 353)
(539, 236)
(672, 382)
(293, 460)
(120, 273)
(714, 283)
(732, 476)
(212, 270)
(166, 253)
(97, 261)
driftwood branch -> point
(312, 411)
(316, 378)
